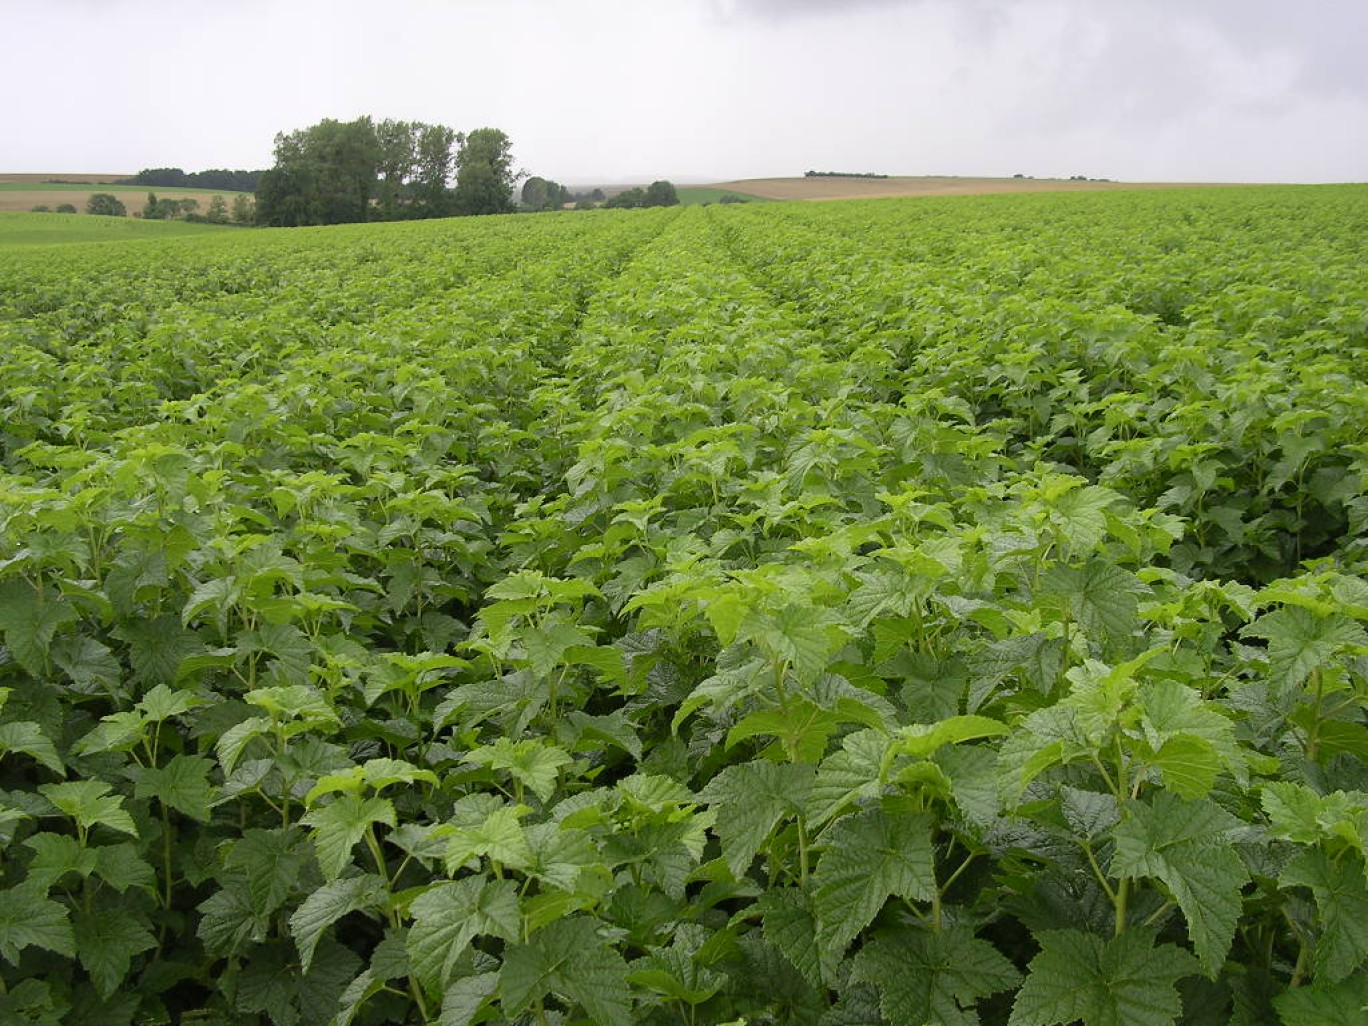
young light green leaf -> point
(182, 784)
(28, 738)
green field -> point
(697, 195)
(57, 229)
(899, 612)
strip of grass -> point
(56, 229)
(696, 195)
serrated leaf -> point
(922, 739)
(926, 977)
(1336, 1004)
(750, 800)
(55, 855)
(106, 945)
(270, 862)
(848, 775)
(233, 740)
(341, 824)
(182, 784)
(447, 916)
(868, 858)
(790, 924)
(465, 997)
(568, 958)
(1126, 981)
(1090, 814)
(29, 919)
(1342, 899)
(1186, 845)
(1299, 641)
(499, 837)
(89, 803)
(327, 905)
(29, 622)
(28, 738)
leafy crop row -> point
(903, 612)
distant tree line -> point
(338, 172)
(841, 174)
(657, 194)
(215, 178)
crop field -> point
(824, 187)
(936, 611)
(63, 229)
(16, 196)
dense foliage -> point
(930, 611)
(214, 178)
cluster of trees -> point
(657, 194)
(43, 208)
(165, 209)
(841, 174)
(344, 171)
(544, 194)
(106, 204)
(214, 178)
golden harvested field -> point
(824, 188)
(25, 195)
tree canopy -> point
(657, 194)
(364, 170)
(484, 173)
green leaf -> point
(922, 739)
(1336, 1004)
(1299, 641)
(465, 997)
(89, 803)
(106, 944)
(339, 825)
(327, 905)
(1187, 846)
(448, 915)
(866, 859)
(1126, 981)
(29, 919)
(848, 775)
(568, 958)
(29, 622)
(536, 765)
(499, 837)
(182, 784)
(271, 862)
(926, 977)
(1342, 898)
(750, 800)
(55, 855)
(26, 737)
(232, 741)
(791, 926)
(1100, 596)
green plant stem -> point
(1097, 872)
(1122, 896)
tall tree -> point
(484, 173)
(324, 174)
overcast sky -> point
(620, 90)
